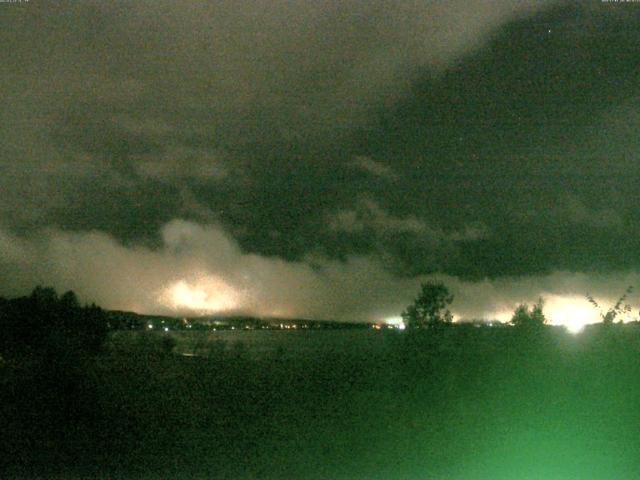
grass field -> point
(465, 403)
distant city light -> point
(395, 322)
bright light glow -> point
(206, 294)
(571, 312)
(396, 322)
(502, 316)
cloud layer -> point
(201, 269)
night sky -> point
(321, 159)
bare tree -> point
(620, 308)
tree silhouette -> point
(526, 318)
(48, 345)
(69, 301)
(429, 309)
(620, 308)
(44, 295)
(46, 324)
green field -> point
(463, 403)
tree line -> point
(45, 323)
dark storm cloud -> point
(201, 268)
(467, 139)
(113, 90)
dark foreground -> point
(464, 403)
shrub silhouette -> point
(168, 344)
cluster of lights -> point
(150, 326)
(287, 326)
(392, 323)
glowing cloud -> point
(201, 269)
(208, 294)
